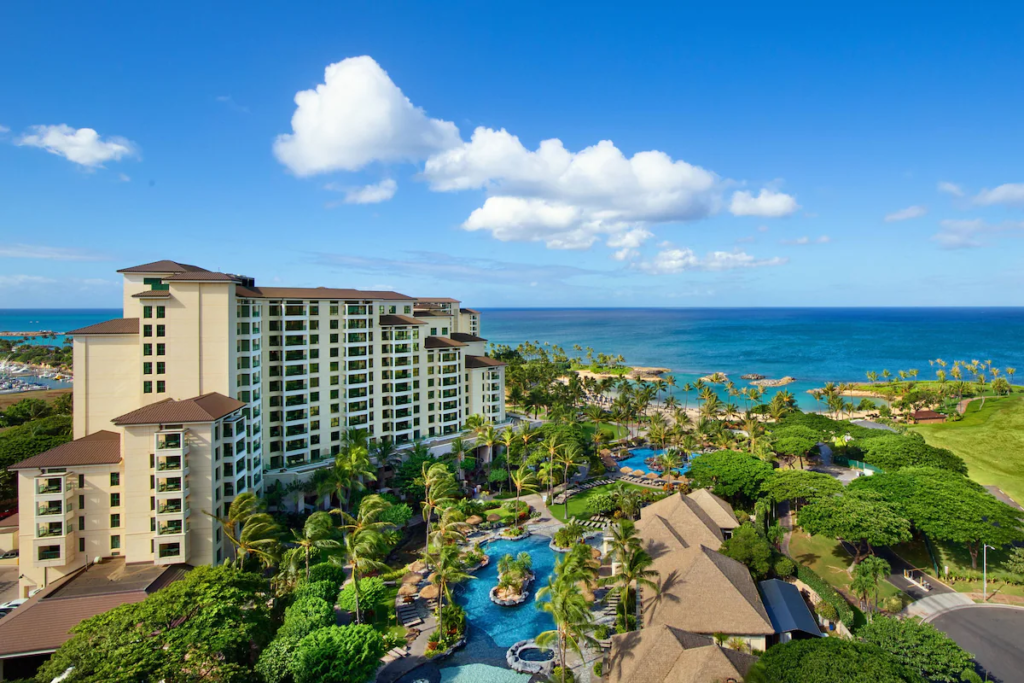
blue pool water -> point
(504, 626)
(638, 457)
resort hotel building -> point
(210, 386)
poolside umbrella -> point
(430, 592)
(625, 470)
(605, 452)
(585, 591)
(412, 577)
(493, 517)
(474, 520)
(407, 590)
(594, 552)
(430, 578)
(418, 566)
(650, 475)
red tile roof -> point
(9, 521)
(441, 343)
(99, 448)
(164, 266)
(205, 408)
(116, 326)
(318, 293)
(43, 624)
(463, 337)
(200, 276)
(482, 362)
(437, 300)
(153, 294)
(396, 320)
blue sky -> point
(747, 155)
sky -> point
(519, 154)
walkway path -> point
(936, 604)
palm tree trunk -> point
(355, 590)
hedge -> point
(826, 593)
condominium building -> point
(210, 385)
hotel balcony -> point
(171, 549)
(172, 464)
(174, 507)
(53, 551)
(171, 443)
(171, 487)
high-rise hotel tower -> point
(210, 385)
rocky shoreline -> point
(770, 383)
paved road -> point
(994, 634)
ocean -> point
(814, 345)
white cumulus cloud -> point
(801, 241)
(355, 117)
(675, 260)
(368, 194)
(767, 203)
(4, 129)
(83, 146)
(906, 214)
(950, 188)
(1009, 193)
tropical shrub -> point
(372, 592)
(827, 594)
(325, 571)
(325, 590)
(305, 616)
(338, 654)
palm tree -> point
(250, 530)
(572, 616)
(508, 437)
(488, 437)
(525, 481)
(635, 570)
(448, 571)
(351, 465)
(363, 541)
(568, 457)
(318, 535)
(458, 449)
(439, 488)
(450, 527)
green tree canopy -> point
(858, 517)
(409, 477)
(894, 451)
(207, 626)
(305, 616)
(947, 506)
(922, 647)
(750, 548)
(26, 440)
(730, 474)
(338, 654)
(371, 594)
(794, 484)
(830, 660)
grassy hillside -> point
(990, 439)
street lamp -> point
(984, 571)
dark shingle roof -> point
(469, 310)
(482, 362)
(786, 608)
(318, 293)
(9, 521)
(153, 294)
(441, 343)
(463, 337)
(116, 326)
(200, 276)
(437, 300)
(396, 320)
(205, 408)
(99, 448)
(164, 266)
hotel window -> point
(115, 500)
(147, 349)
(408, 310)
(147, 368)
(115, 542)
(81, 523)
(160, 367)
(161, 386)
(433, 331)
(147, 330)
(392, 309)
(160, 311)
(335, 310)
(160, 330)
(160, 349)
(115, 478)
(314, 310)
(81, 545)
(81, 502)
(115, 521)
(147, 387)
(147, 311)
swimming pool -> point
(638, 457)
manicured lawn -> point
(578, 503)
(612, 431)
(990, 440)
(826, 557)
(48, 395)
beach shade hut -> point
(585, 591)
(407, 590)
(418, 566)
(412, 577)
(430, 578)
(606, 453)
(474, 520)
(625, 470)
(494, 517)
(650, 475)
(430, 592)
